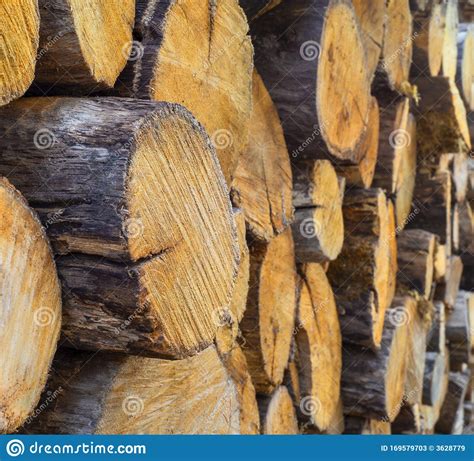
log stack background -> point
(222, 218)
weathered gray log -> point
(372, 383)
(436, 340)
(137, 211)
(458, 333)
(451, 411)
(435, 378)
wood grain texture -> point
(138, 273)
(30, 308)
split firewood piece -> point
(318, 341)
(419, 325)
(83, 45)
(448, 290)
(416, 250)
(138, 273)
(441, 118)
(268, 322)
(397, 50)
(236, 365)
(371, 15)
(458, 333)
(318, 114)
(262, 184)
(255, 8)
(228, 319)
(469, 297)
(435, 382)
(362, 174)
(194, 54)
(451, 418)
(30, 308)
(396, 164)
(458, 165)
(432, 207)
(318, 228)
(450, 50)
(20, 37)
(277, 413)
(132, 395)
(373, 382)
(428, 32)
(463, 227)
(465, 65)
(436, 340)
(408, 420)
(362, 276)
(366, 426)
(440, 262)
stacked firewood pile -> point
(222, 218)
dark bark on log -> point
(132, 268)
(310, 38)
(408, 421)
(448, 422)
(458, 333)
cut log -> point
(30, 308)
(236, 365)
(440, 262)
(268, 322)
(318, 228)
(463, 227)
(362, 174)
(373, 382)
(228, 319)
(451, 411)
(83, 46)
(138, 274)
(132, 395)
(450, 51)
(255, 8)
(435, 380)
(315, 39)
(277, 413)
(20, 38)
(428, 31)
(416, 250)
(408, 420)
(366, 426)
(397, 46)
(198, 55)
(362, 276)
(458, 333)
(448, 291)
(396, 163)
(436, 339)
(371, 15)
(416, 353)
(318, 341)
(465, 65)
(432, 206)
(441, 118)
(262, 184)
